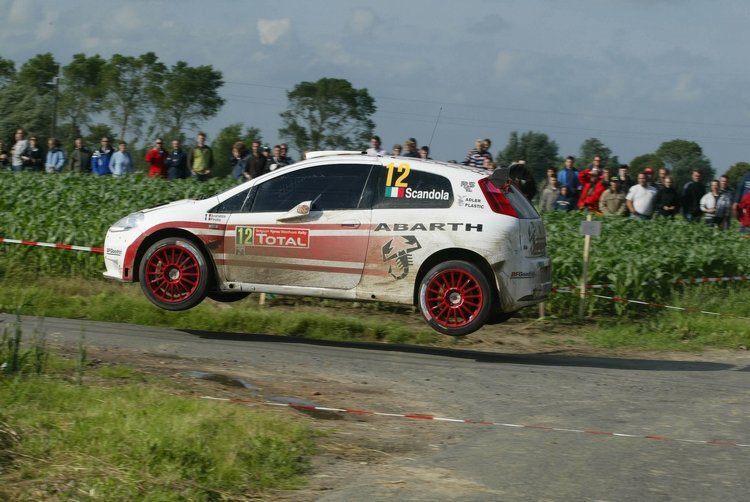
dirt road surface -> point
(562, 427)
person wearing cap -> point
(649, 172)
(592, 189)
(640, 199)
(612, 201)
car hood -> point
(187, 203)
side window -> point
(331, 187)
(233, 204)
(403, 187)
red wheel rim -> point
(454, 298)
(172, 274)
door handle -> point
(351, 224)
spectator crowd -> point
(650, 195)
(596, 188)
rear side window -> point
(400, 186)
(523, 207)
(330, 187)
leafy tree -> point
(131, 83)
(535, 148)
(222, 146)
(7, 71)
(736, 172)
(81, 91)
(327, 114)
(641, 162)
(593, 147)
(681, 157)
(187, 96)
(27, 98)
(96, 133)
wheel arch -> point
(175, 232)
(457, 254)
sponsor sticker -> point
(522, 275)
(114, 252)
(468, 185)
(216, 217)
(273, 237)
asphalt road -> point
(694, 401)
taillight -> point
(496, 198)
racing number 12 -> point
(244, 236)
(403, 169)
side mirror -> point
(298, 212)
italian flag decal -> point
(395, 192)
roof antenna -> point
(429, 143)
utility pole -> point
(56, 84)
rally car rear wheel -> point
(174, 274)
(455, 298)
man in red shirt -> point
(592, 189)
(155, 158)
(743, 214)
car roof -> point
(339, 154)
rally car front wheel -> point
(455, 298)
(174, 274)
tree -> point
(592, 147)
(222, 146)
(7, 71)
(327, 114)
(736, 172)
(681, 157)
(131, 83)
(535, 148)
(26, 100)
(641, 162)
(187, 96)
(81, 91)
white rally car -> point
(461, 243)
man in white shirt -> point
(376, 148)
(640, 199)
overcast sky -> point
(633, 73)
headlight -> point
(130, 221)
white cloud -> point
(685, 90)
(20, 11)
(271, 30)
(361, 21)
(504, 64)
(335, 53)
(128, 18)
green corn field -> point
(640, 259)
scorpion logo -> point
(402, 257)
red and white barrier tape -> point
(713, 442)
(51, 245)
(668, 307)
(690, 280)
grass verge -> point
(636, 327)
(127, 436)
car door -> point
(306, 227)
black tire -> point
(228, 297)
(174, 274)
(455, 298)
